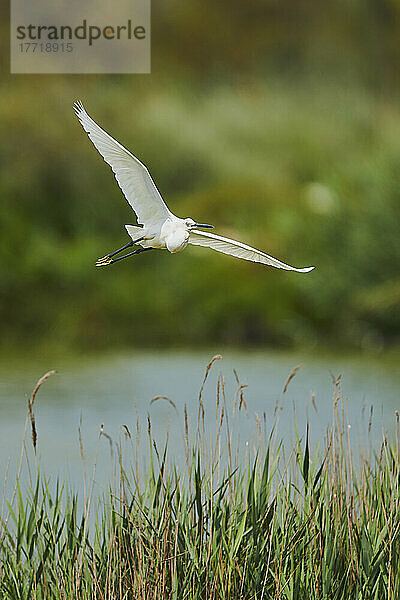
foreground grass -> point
(299, 525)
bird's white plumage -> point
(234, 248)
(161, 229)
(132, 176)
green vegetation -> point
(279, 123)
(286, 136)
(312, 186)
(300, 525)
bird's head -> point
(190, 224)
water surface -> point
(117, 390)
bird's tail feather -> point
(134, 232)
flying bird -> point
(158, 227)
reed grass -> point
(274, 524)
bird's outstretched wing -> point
(234, 248)
(132, 176)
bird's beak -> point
(203, 225)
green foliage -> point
(278, 124)
(298, 525)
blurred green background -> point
(278, 122)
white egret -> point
(160, 228)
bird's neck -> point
(175, 234)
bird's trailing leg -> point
(111, 260)
(107, 259)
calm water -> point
(117, 390)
